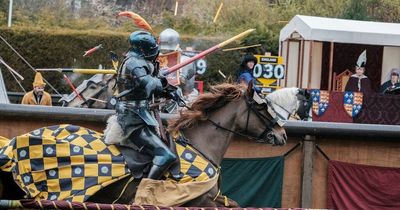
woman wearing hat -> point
(37, 96)
(246, 71)
(358, 82)
(391, 85)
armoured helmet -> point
(169, 39)
(144, 44)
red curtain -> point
(354, 186)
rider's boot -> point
(161, 162)
(156, 172)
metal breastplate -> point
(132, 68)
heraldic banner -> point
(354, 186)
(253, 182)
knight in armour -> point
(138, 84)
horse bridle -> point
(103, 88)
(268, 133)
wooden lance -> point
(81, 71)
(206, 52)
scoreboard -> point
(268, 71)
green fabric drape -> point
(253, 182)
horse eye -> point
(92, 86)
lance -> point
(240, 48)
(73, 87)
(206, 52)
(92, 50)
(81, 71)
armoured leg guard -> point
(153, 145)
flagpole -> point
(10, 13)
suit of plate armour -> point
(139, 126)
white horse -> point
(288, 102)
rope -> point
(322, 152)
(292, 149)
(27, 63)
(124, 189)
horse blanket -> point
(62, 162)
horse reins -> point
(261, 116)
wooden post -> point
(310, 64)
(330, 66)
(306, 186)
(287, 61)
(301, 65)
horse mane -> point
(218, 96)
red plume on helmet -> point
(137, 20)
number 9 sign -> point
(201, 66)
(269, 71)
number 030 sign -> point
(269, 71)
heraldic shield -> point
(353, 102)
(320, 99)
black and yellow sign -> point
(268, 71)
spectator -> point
(37, 96)
(246, 71)
(391, 86)
(358, 82)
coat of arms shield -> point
(353, 103)
(320, 101)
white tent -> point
(301, 42)
(3, 91)
(342, 31)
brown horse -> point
(215, 119)
(210, 125)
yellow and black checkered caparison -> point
(62, 162)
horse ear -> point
(250, 89)
(303, 91)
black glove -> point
(176, 95)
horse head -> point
(256, 121)
(95, 92)
(233, 111)
(290, 102)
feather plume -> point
(137, 20)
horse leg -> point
(122, 189)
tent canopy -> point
(342, 31)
